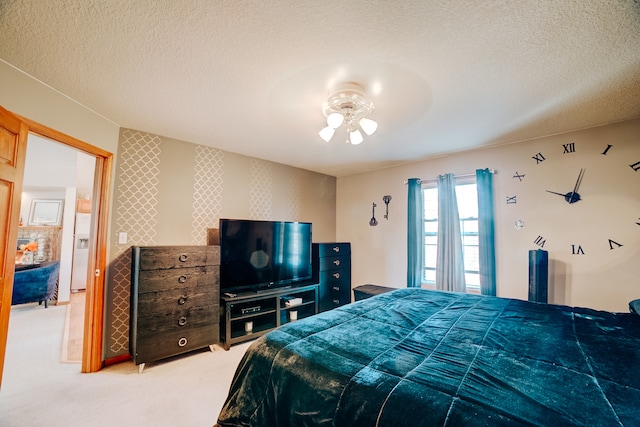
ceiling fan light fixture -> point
(368, 126)
(335, 120)
(348, 105)
(327, 133)
(355, 137)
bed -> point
(415, 357)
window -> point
(467, 196)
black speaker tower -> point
(538, 275)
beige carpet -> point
(39, 390)
(73, 329)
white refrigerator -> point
(80, 252)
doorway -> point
(57, 173)
(16, 132)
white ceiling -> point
(250, 76)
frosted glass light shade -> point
(355, 137)
(327, 133)
(335, 120)
(368, 126)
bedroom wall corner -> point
(168, 192)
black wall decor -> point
(373, 221)
(386, 200)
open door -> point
(13, 149)
(14, 131)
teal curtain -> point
(486, 232)
(415, 231)
(450, 262)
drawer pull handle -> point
(336, 262)
(336, 288)
(182, 321)
(183, 257)
(336, 249)
(182, 279)
(336, 301)
(182, 342)
(336, 275)
(182, 300)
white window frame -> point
(472, 269)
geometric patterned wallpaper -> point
(136, 202)
(117, 306)
(139, 176)
(260, 198)
(207, 192)
(146, 164)
(294, 193)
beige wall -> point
(602, 278)
(168, 192)
(23, 95)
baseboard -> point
(117, 359)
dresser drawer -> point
(339, 276)
(330, 302)
(177, 320)
(333, 262)
(168, 257)
(334, 249)
(166, 344)
(340, 290)
(182, 278)
(168, 301)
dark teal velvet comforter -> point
(425, 358)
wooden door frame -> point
(92, 350)
(13, 145)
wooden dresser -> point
(175, 301)
(332, 270)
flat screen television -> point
(258, 255)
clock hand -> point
(569, 197)
(559, 194)
(574, 194)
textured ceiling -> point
(250, 76)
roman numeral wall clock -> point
(579, 200)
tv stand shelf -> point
(247, 315)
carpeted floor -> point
(38, 389)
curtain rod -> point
(466, 175)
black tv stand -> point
(265, 290)
(250, 314)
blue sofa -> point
(35, 283)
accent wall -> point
(169, 192)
